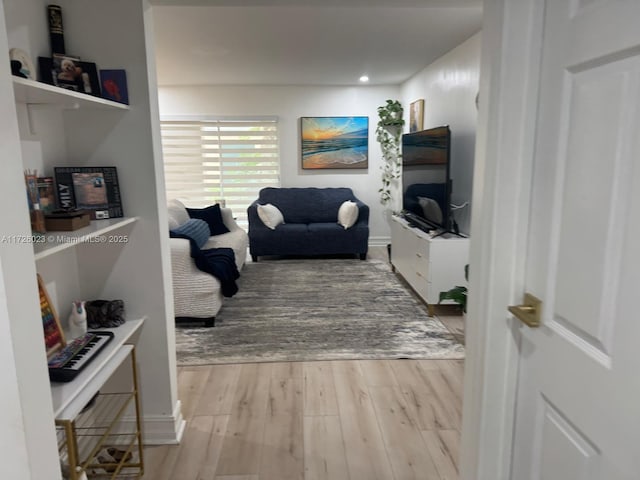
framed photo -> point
(45, 68)
(334, 142)
(69, 72)
(90, 80)
(95, 189)
(416, 116)
(114, 85)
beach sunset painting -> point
(335, 142)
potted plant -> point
(458, 293)
(388, 134)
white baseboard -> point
(379, 241)
(164, 429)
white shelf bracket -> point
(32, 129)
(31, 106)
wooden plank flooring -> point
(330, 420)
(333, 420)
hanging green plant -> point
(388, 134)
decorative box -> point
(67, 220)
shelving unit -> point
(69, 398)
(37, 93)
(55, 242)
(46, 126)
(94, 435)
(83, 432)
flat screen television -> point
(426, 186)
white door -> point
(578, 401)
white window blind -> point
(210, 160)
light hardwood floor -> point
(333, 420)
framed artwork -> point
(114, 85)
(334, 142)
(416, 116)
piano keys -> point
(65, 365)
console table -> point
(93, 417)
(429, 265)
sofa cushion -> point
(212, 215)
(270, 215)
(176, 213)
(348, 214)
(307, 205)
(194, 230)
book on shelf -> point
(95, 189)
(46, 192)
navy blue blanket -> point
(221, 263)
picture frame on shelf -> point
(334, 142)
(66, 72)
(95, 189)
(45, 70)
(90, 79)
(113, 84)
(70, 73)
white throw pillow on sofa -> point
(270, 215)
(177, 214)
(348, 214)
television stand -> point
(429, 263)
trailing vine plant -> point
(388, 134)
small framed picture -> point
(114, 85)
(90, 80)
(416, 116)
(46, 71)
(69, 72)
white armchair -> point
(196, 294)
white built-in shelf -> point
(71, 397)
(37, 93)
(96, 232)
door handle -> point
(530, 312)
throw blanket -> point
(221, 263)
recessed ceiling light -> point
(364, 79)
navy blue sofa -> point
(311, 223)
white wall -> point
(449, 87)
(290, 103)
(27, 435)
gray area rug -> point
(317, 309)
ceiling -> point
(305, 42)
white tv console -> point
(429, 265)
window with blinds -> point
(207, 161)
